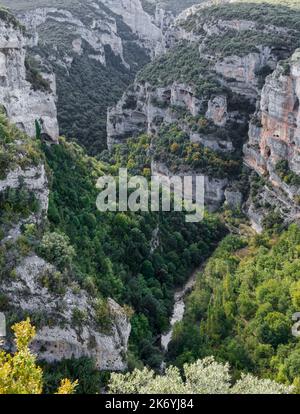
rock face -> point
(60, 335)
(146, 27)
(217, 110)
(101, 31)
(35, 180)
(274, 135)
(234, 199)
(23, 105)
(142, 108)
(240, 73)
(213, 188)
(28, 281)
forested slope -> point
(241, 310)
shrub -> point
(56, 249)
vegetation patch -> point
(241, 310)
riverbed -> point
(179, 307)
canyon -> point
(246, 80)
(107, 72)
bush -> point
(56, 249)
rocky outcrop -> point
(101, 31)
(273, 150)
(107, 40)
(143, 108)
(240, 73)
(22, 102)
(214, 189)
(68, 320)
(60, 335)
(217, 110)
(35, 181)
(97, 24)
(234, 199)
(149, 29)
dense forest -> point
(241, 309)
(114, 252)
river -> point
(179, 306)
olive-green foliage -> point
(16, 203)
(84, 96)
(182, 64)
(280, 13)
(34, 76)
(56, 249)
(19, 373)
(16, 148)
(286, 174)
(90, 380)
(174, 148)
(241, 310)
(103, 315)
(248, 41)
(8, 17)
(205, 376)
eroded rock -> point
(24, 103)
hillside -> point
(69, 249)
(242, 307)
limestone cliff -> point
(60, 335)
(67, 318)
(23, 103)
(29, 285)
(274, 141)
(145, 109)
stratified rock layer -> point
(64, 338)
(274, 133)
